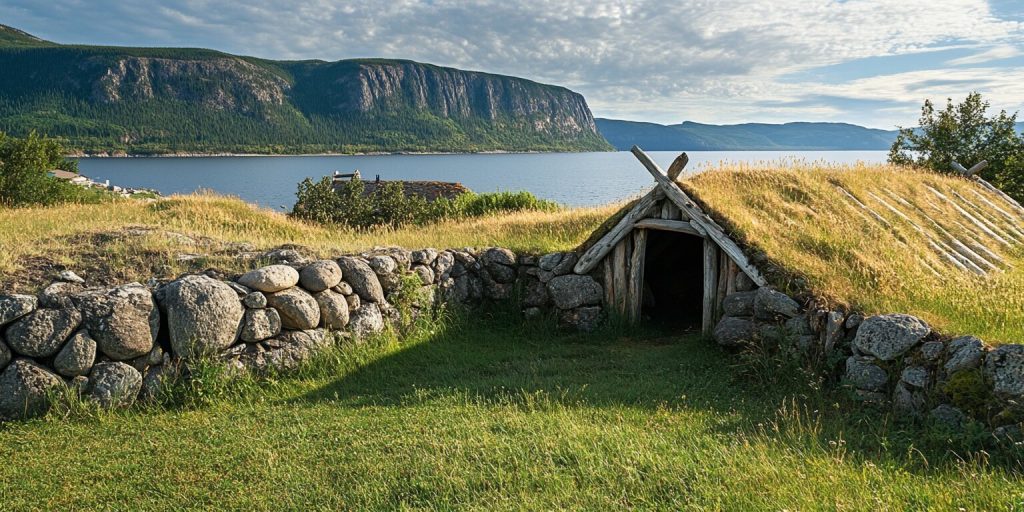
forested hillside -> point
(177, 100)
(749, 136)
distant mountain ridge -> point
(690, 136)
(184, 100)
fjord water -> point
(575, 179)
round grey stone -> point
(864, 374)
(965, 353)
(204, 316)
(343, 288)
(60, 295)
(572, 291)
(1004, 366)
(890, 336)
(320, 275)
(366, 320)
(77, 356)
(770, 304)
(25, 389)
(382, 264)
(42, 332)
(498, 256)
(334, 312)
(739, 304)
(353, 302)
(298, 309)
(13, 307)
(273, 278)
(425, 274)
(424, 256)
(69, 276)
(915, 376)
(124, 320)
(734, 331)
(114, 384)
(548, 262)
(255, 300)
(362, 278)
(260, 324)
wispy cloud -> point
(662, 60)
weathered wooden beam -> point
(636, 275)
(620, 266)
(707, 324)
(676, 226)
(731, 273)
(723, 264)
(609, 284)
(975, 169)
(689, 207)
(677, 166)
(970, 217)
(599, 250)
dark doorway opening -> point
(674, 279)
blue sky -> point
(870, 62)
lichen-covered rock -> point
(565, 266)
(25, 389)
(285, 256)
(548, 262)
(353, 302)
(390, 283)
(260, 324)
(425, 274)
(114, 384)
(424, 256)
(298, 309)
(739, 304)
(42, 332)
(771, 304)
(572, 291)
(5, 354)
(744, 283)
(585, 319)
(965, 353)
(799, 326)
(334, 313)
(284, 352)
(535, 294)
(156, 379)
(242, 291)
(915, 376)
(124, 320)
(382, 264)
(13, 307)
(69, 276)
(343, 288)
(59, 295)
(269, 279)
(864, 374)
(255, 300)
(1004, 366)
(204, 316)
(443, 264)
(733, 331)
(77, 356)
(833, 329)
(498, 256)
(854, 320)
(890, 336)
(908, 402)
(320, 275)
(501, 273)
(366, 320)
(154, 357)
(948, 416)
(362, 278)
(931, 350)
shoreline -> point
(372, 153)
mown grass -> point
(801, 221)
(130, 240)
(497, 415)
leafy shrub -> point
(964, 134)
(351, 206)
(24, 173)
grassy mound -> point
(130, 240)
(802, 219)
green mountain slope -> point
(167, 100)
(750, 136)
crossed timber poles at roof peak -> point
(666, 188)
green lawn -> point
(499, 416)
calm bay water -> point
(575, 179)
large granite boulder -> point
(320, 275)
(890, 336)
(77, 356)
(124, 320)
(572, 291)
(733, 331)
(864, 374)
(362, 278)
(770, 304)
(13, 307)
(42, 332)
(965, 353)
(204, 316)
(281, 353)
(298, 309)
(366, 320)
(25, 390)
(269, 279)
(1004, 366)
(114, 384)
(739, 304)
(260, 324)
(333, 309)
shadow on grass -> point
(493, 358)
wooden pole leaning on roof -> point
(640, 210)
(698, 217)
(972, 174)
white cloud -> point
(663, 60)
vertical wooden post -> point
(620, 264)
(723, 278)
(732, 274)
(609, 284)
(636, 274)
(710, 286)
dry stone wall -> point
(117, 345)
(893, 360)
